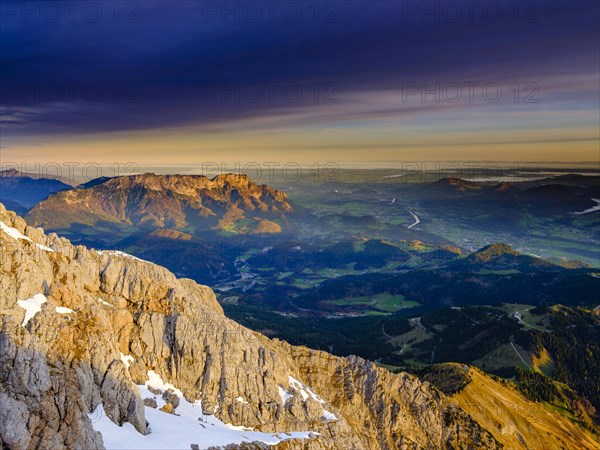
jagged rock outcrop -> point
(82, 328)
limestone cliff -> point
(82, 328)
(149, 201)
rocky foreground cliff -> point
(94, 341)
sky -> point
(375, 83)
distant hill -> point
(510, 208)
(501, 256)
(574, 180)
(565, 188)
(20, 191)
(454, 184)
(229, 202)
(492, 251)
(94, 182)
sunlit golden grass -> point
(517, 422)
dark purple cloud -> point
(157, 64)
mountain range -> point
(100, 348)
(20, 191)
(148, 201)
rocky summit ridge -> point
(85, 332)
(150, 201)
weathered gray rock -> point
(14, 416)
(170, 397)
(150, 402)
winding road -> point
(592, 209)
(518, 354)
(384, 333)
(417, 220)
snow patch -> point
(32, 306)
(63, 310)
(305, 391)
(13, 232)
(127, 360)
(241, 400)
(328, 415)
(155, 381)
(180, 430)
(285, 395)
(16, 234)
(122, 254)
(103, 302)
